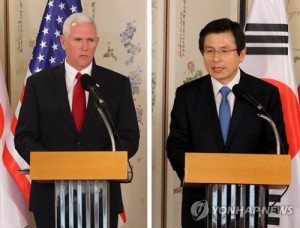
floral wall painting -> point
(127, 38)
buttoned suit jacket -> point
(46, 124)
(195, 127)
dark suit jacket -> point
(195, 127)
(46, 124)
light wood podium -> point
(236, 185)
(81, 183)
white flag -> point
(13, 207)
(270, 57)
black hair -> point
(220, 26)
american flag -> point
(46, 53)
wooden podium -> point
(236, 182)
(81, 183)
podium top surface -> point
(231, 168)
(79, 165)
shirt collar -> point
(217, 85)
(71, 71)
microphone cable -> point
(280, 196)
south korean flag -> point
(269, 56)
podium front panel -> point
(82, 204)
(236, 206)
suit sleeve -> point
(27, 129)
(276, 113)
(178, 141)
(126, 123)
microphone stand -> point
(271, 122)
(108, 127)
(277, 138)
(105, 194)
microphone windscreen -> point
(87, 81)
(239, 91)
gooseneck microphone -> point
(243, 94)
(89, 84)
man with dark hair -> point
(199, 105)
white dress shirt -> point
(71, 80)
(218, 96)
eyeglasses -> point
(210, 52)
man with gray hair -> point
(58, 115)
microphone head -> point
(240, 91)
(87, 82)
(244, 94)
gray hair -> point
(76, 17)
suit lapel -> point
(206, 97)
(239, 110)
(90, 110)
(61, 95)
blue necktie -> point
(224, 112)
